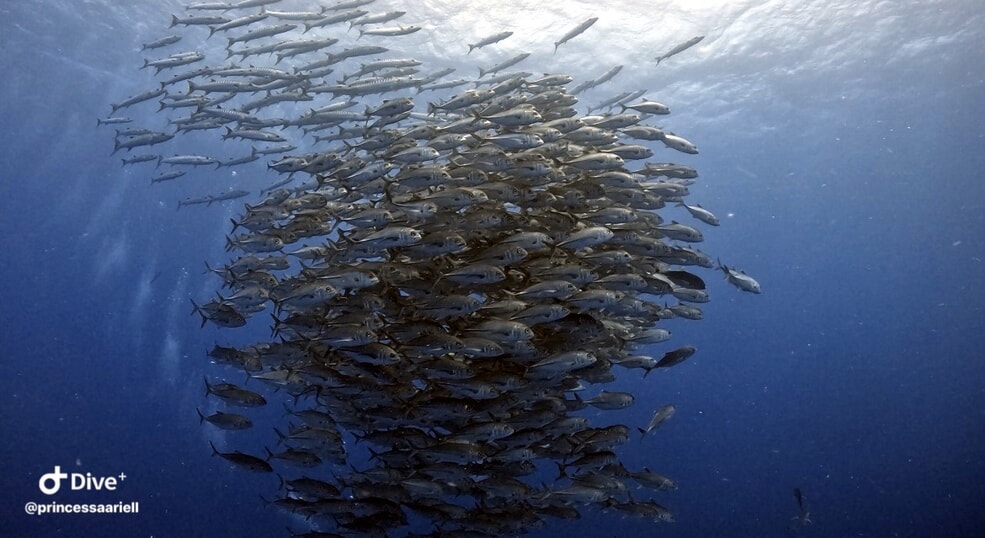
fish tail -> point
(723, 267)
(199, 311)
(214, 451)
(201, 417)
(561, 473)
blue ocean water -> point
(841, 144)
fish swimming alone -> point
(680, 48)
(803, 517)
(575, 32)
(739, 279)
(495, 38)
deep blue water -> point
(842, 144)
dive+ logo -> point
(50, 483)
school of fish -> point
(448, 281)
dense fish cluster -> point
(451, 283)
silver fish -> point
(574, 32)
